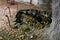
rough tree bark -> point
(30, 1)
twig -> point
(8, 20)
(9, 10)
(17, 6)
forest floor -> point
(4, 25)
(13, 9)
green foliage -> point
(25, 27)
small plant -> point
(33, 17)
(27, 21)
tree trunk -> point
(30, 1)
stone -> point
(1, 38)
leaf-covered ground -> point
(7, 33)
